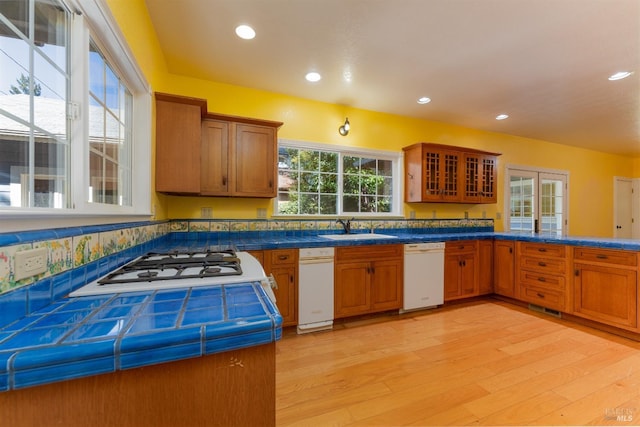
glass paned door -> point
(537, 201)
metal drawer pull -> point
(599, 256)
(541, 279)
(542, 250)
(542, 264)
(540, 295)
(283, 257)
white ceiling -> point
(543, 62)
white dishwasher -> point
(423, 275)
(315, 289)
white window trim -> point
(507, 191)
(397, 159)
(96, 15)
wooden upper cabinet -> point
(212, 154)
(442, 173)
(178, 143)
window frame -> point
(92, 20)
(396, 158)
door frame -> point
(635, 205)
(538, 171)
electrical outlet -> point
(412, 214)
(206, 212)
(261, 213)
(30, 263)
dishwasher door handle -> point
(303, 261)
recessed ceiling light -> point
(347, 76)
(313, 77)
(424, 100)
(502, 116)
(620, 75)
(245, 32)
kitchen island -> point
(195, 356)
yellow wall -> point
(590, 173)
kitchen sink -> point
(357, 236)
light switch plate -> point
(30, 263)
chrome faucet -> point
(345, 224)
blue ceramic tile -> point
(159, 355)
(205, 302)
(39, 294)
(78, 277)
(179, 294)
(68, 371)
(163, 307)
(92, 272)
(60, 285)
(117, 311)
(22, 323)
(234, 342)
(132, 343)
(61, 319)
(8, 239)
(84, 303)
(206, 291)
(240, 327)
(36, 235)
(35, 337)
(13, 305)
(129, 299)
(62, 354)
(244, 311)
(98, 330)
(192, 317)
(149, 323)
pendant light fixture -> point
(344, 129)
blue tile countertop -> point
(82, 336)
(77, 337)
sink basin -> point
(357, 236)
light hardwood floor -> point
(479, 363)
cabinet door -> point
(489, 176)
(254, 161)
(504, 268)
(451, 178)
(451, 277)
(606, 294)
(485, 267)
(215, 158)
(386, 285)
(177, 147)
(286, 296)
(468, 278)
(352, 289)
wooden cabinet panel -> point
(368, 279)
(504, 268)
(283, 265)
(460, 269)
(178, 137)
(386, 285)
(485, 267)
(214, 177)
(254, 165)
(606, 294)
(544, 297)
(608, 256)
(542, 249)
(441, 173)
(543, 264)
(353, 289)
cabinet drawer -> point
(283, 256)
(367, 253)
(542, 249)
(608, 256)
(462, 246)
(543, 265)
(541, 280)
(543, 297)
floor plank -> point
(484, 362)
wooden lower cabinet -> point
(460, 269)
(485, 267)
(605, 286)
(233, 388)
(282, 264)
(368, 279)
(504, 267)
(542, 274)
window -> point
(318, 180)
(68, 88)
(537, 200)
